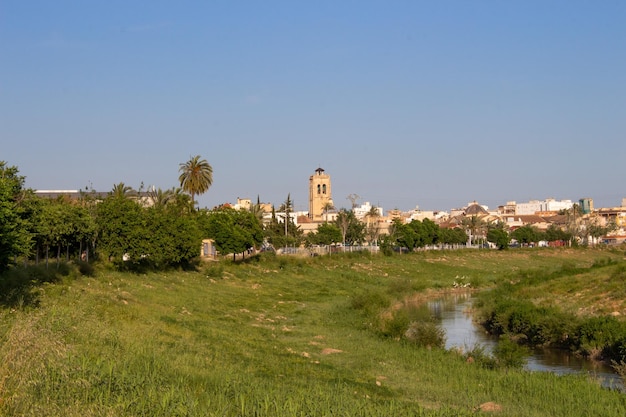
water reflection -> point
(455, 315)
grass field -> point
(280, 336)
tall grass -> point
(268, 337)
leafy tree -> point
(406, 235)
(326, 234)
(196, 176)
(14, 236)
(234, 231)
(425, 232)
(455, 236)
(555, 233)
(498, 235)
(281, 234)
(173, 239)
(526, 234)
(121, 229)
(62, 224)
(352, 229)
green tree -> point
(406, 235)
(352, 229)
(121, 229)
(526, 234)
(498, 235)
(172, 239)
(14, 237)
(196, 176)
(455, 236)
(121, 190)
(61, 224)
(326, 234)
(555, 233)
(285, 233)
(424, 232)
(234, 231)
(161, 198)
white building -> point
(549, 204)
(364, 210)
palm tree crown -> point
(121, 190)
(196, 176)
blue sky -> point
(404, 103)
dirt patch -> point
(330, 351)
(490, 407)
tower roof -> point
(319, 170)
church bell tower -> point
(319, 194)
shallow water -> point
(454, 314)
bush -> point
(603, 337)
(479, 356)
(85, 268)
(509, 354)
(426, 334)
(394, 324)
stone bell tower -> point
(319, 194)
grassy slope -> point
(276, 337)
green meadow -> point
(286, 336)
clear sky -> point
(404, 103)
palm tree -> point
(121, 190)
(372, 230)
(161, 198)
(475, 225)
(328, 206)
(196, 176)
(257, 209)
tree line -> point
(162, 228)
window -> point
(318, 188)
(324, 189)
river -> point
(454, 315)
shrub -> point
(479, 356)
(394, 324)
(602, 336)
(426, 334)
(509, 354)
